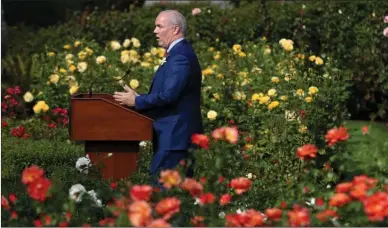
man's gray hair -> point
(177, 19)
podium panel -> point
(108, 127)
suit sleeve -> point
(177, 78)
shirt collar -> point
(173, 44)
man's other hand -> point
(127, 97)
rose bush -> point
(212, 200)
(270, 154)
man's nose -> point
(155, 30)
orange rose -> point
(141, 192)
(31, 174)
(307, 151)
(241, 184)
(273, 213)
(170, 178)
(339, 199)
(158, 223)
(343, 187)
(168, 207)
(139, 213)
(194, 187)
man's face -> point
(164, 31)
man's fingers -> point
(126, 88)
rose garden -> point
(294, 104)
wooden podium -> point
(108, 127)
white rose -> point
(82, 66)
(115, 45)
(100, 59)
(28, 97)
(76, 192)
(93, 195)
(83, 164)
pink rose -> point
(386, 19)
(385, 32)
(196, 11)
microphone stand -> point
(91, 85)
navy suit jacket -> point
(174, 102)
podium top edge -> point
(108, 101)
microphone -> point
(94, 82)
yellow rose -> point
(287, 45)
(246, 81)
(45, 108)
(67, 46)
(39, 106)
(273, 105)
(124, 58)
(135, 42)
(77, 43)
(82, 55)
(313, 90)
(145, 64)
(255, 97)
(28, 97)
(161, 52)
(217, 56)
(236, 48)
(211, 115)
(302, 129)
(62, 70)
(51, 54)
(134, 84)
(300, 92)
(308, 99)
(318, 61)
(208, 71)
(126, 43)
(312, 58)
(267, 51)
(147, 55)
(241, 54)
(283, 98)
(72, 68)
(264, 99)
(300, 56)
(271, 92)
(275, 79)
(220, 76)
(73, 89)
(242, 74)
(54, 78)
(216, 96)
(100, 59)
(89, 51)
(286, 78)
(237, 95)
(248, 146)
(211, 49)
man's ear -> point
(177, 29)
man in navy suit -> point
(174, 97)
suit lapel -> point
(158, 71)
(170, 53)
